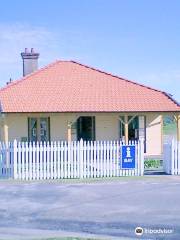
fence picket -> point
(172, 159)
(44, 161)
(37, 161)
(58, 160)
(72, 170)
(19, 160)
(41, 161)
(30, 162)
(88, 159)
(98, 162)
(62, 160)
(55, 161)
(84, 159)
(178, 156)
(23, 164)
(51, 160)
(94, 161)
(68, 159)
(175, 159)
(15, 160)
(26, 161)
(91, 159)
(101, 159)
(48, 161)
(107, 159)
(78, 159)
(81, 158)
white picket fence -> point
(58, 160)
(171, 157)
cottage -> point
(67, 100)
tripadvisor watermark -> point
(139, 231)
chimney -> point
(30, 61)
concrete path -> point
(109, 209)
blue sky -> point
(138, 40)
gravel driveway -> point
(108, 209)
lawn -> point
(69, 238)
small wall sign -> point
(128, 157)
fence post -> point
(172, 156)
(178, 156)
(15, 159)
(81, 158)
(141, 142)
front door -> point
(86, 128)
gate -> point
(171, 157)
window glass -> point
(33, 129)
(121, 128)
(38, 129)
(44, 129)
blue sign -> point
(128, 157)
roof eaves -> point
(169, 96)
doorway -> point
(86, 128)
(133, 129)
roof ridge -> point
(29, 75)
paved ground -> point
(109, 209)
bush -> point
(152, 163)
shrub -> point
(152, 163)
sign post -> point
(128, 157)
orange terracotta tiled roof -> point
(68, 86)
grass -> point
(152, 164)
(69, 181)
(68, 238)
(79, 181)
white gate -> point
(171, 157)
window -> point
(38, 129)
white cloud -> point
(15, 37)
(51, 45)
(68, 44)
(13, 40)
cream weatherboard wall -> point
(107, 127)
(154, 134)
